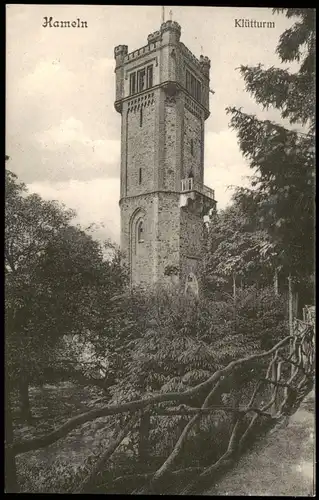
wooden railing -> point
(269, 385)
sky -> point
(62, 131)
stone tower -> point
(162, 93)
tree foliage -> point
(283, 159)
(58, 284)
(175, 342)
(238, 248)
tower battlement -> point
(119, 54)
(154, 37)
(120, 50)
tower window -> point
(193, 86)
(140, 232)
(141, 80)
(141, 116)
(192, 147)
(140, 176)
(149, 77)
(132, 83)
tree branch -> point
(89, 481)
(63, 430)
(207, 411)
(224, 461)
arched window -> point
(140, 231)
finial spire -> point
(163, 14)
(170, 14)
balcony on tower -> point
(197, 196)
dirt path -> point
(283, 463)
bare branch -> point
(89, 481)
(224, 461)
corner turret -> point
(119, 53)
(171, 31)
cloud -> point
(70, 133)
(103, 64)
(47, 77)
(224, 165)
(94, 201)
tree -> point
(58, 284)
(283, 159)
(238, 250)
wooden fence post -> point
(290, 314)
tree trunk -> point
(290, 305)
(295, 304)
(234, 298)
(11, 482)
(234, 287)
(143, 448)
(24, 399)
(276, 286)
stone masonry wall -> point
(161, 216)
(141, 257)
(192, 132)
(140, 150)
(191, 232)
(168, 235)
(191, 241)
(170, 146)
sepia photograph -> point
(160, 250)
